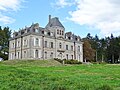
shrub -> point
(72, 62)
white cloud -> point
(6, 19)
(8, 6)
(63, 3)
(101, 14)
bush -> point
(72, 62)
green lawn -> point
(51, 75)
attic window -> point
(76, 39)
(42, 32)
(69, 38)
(49, 33)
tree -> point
(89, 53)
(5, 34)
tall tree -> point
(5, 34)
(89, 53)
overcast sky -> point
(101, 17)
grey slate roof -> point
(54, 22)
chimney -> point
(49, 18)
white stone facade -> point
(35, 42)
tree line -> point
(101, 49)
(95, 49)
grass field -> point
(51, 75)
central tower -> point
(54, 25)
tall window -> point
(45, 55)
(36, 53)
(45, 43)
(60, 45)
(72, 57)
(13, 45)
(60, 32)
(71, 48)
(51, 55)
(37, 42)
(67, 56)
(18, 44)
(25, 42)
(78, 48)
(12, 55)
(66, 47)
(24, 54)
(51, 44)
(18, 55)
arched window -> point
(37, 42)
(36, 53)
(60, 45)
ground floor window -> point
(45, 55)
(36, 53)
(67, 56)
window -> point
(66, 47)
(49, 33)
(57, 31)
(45, 43)
(60, 32)
(37, 42)
(12, 55)
(60, 45)
(18, 55)
(36, 53)
(25, 42)
(51, 55)
(45, 55)
(18, 44)
(13, 45)
(51, 44)
(67, 56)
(71, 48)
(42, 32)
(72, 57)
(69, 38)
(78, 48)
(24, 54)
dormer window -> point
(69, 38)
(42, 32)
(49, 33)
